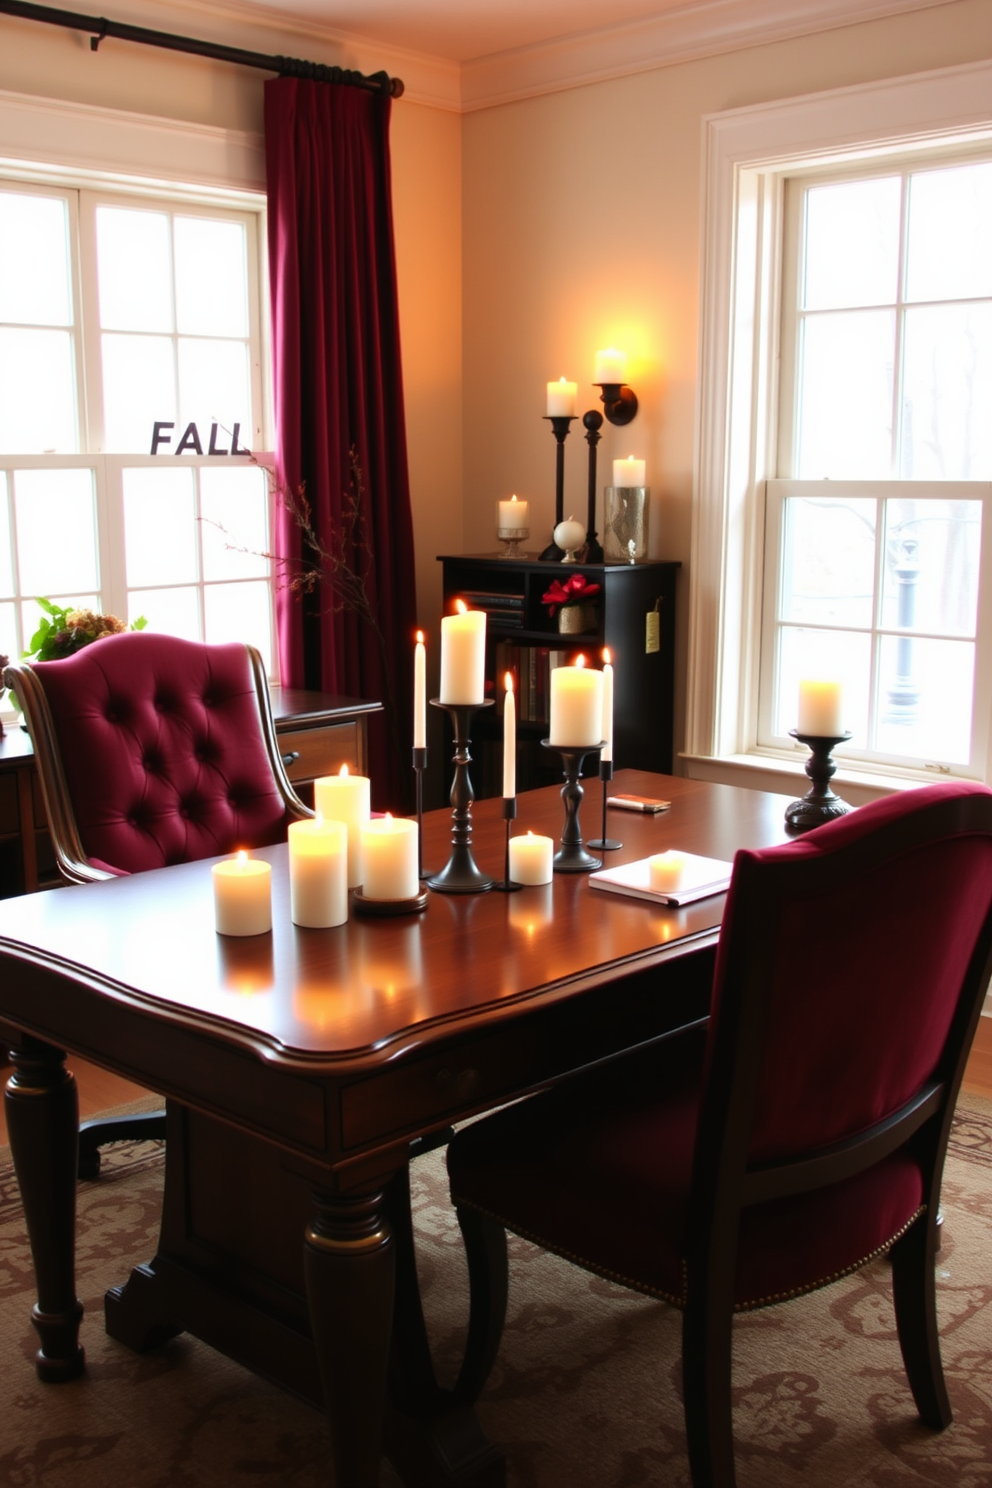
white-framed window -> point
(130, 321)
(844, 444)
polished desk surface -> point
(363, 993)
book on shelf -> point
(700, 878)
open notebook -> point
(700, 878)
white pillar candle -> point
(820, 709)
(389, 847)
(512, 515)
(576, 706)
(463, 656)
(531, 859)
(420, 693)
(629, 472)
(242, 896)
(509, 739)
(318, 873)
(666, 870)
(346, 798)
(611, 366)
(561, 398)
(607, 753)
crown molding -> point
(680, 35)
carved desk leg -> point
(43, 1122)
(350, 1268)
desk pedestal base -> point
(250, 1270)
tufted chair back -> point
(154, 750)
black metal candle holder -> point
(461, 874)
(419, 766)
(592, 422)
(506, 884)
(572, 856)
(604, 843)
(819, 804)
(561, 427)
(619, 402)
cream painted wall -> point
(581, 229)
(46, 61)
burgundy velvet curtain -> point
(338, 388)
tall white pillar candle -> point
(389, 847)
(420, 693)
(318, 873)
(463, 656)
(531, 859)
(629, 472)
(607, 752)
(611, 366)
(509, 739)
(561, 399)
(820, 709)
(576, 706)
(242, 896)
(346, 798)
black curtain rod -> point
(99, 28)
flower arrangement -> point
(63, 631)
(576, 590)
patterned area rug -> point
(586, 1390)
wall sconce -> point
(619, 405)
(619, 401)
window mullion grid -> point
(875, 658)
(90, 330)
(895, 456)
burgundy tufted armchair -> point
(798, 1136)
(153, 750)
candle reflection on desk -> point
(245, 965)
(532, 909)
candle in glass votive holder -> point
(242, 896)
(513, 518)
(666, 870)
(346, 798)
(318, 873)
(531, 859)
(820, 709)
(576, 715)
(389, 848)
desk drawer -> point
(321, 751)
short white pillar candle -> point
(629, 472)
(666, 870)
(561, 398)
(611, 366)
(389, 847)
(318, 873)
(463, 656)
(346, 798)
(576, 706)
(531, 859)
(242, 896)
(512, 516)
(820, 709)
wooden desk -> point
(319, 733)
(299, 1066)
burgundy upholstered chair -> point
(799, 1136)
(153, 750)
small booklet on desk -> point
(700, 878)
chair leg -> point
(488, 1275)
(915, 1296)
(145, 1126)
(706, 1391)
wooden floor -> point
(98, 1090)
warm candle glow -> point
(607, 753)
(389, 847)
(509, 739)
(666, 870)
(629, 472)
(821, 707)
(531, 859)
(346, 798)
(561, 398)
(461, 608)
(420, 693)
(611, 366)
(242, 896)
(318, 872)
(463, 655)
(576, 715)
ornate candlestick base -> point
(506, 884)
(572, 856)
(604, 843)
(511, 538)
(461, 874)
(819, 804)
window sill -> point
(786, 776)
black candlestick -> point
(572, 856)
(561, 427)
(419, 766)
(819, 804)
(592, 422)
(506, 884)
(461, 874)
(604, 843)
